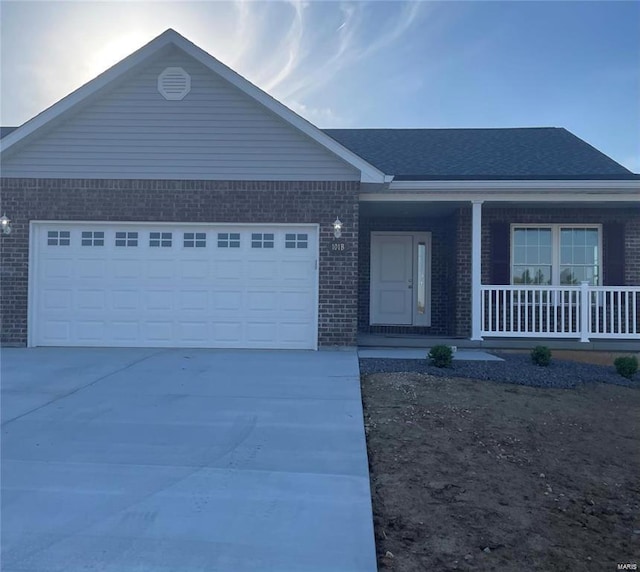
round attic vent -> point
(174, 83)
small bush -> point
(541, 355)
(626, 366)
(440, 356)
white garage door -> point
(171, 285)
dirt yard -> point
(470, 475)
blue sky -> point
(364, 64)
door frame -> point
(418, 320)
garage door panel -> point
(89, 330)
(125, 299)
(125, 331)
(90, 299)
(193, 300)
(90, 268)
(57, 267)
(159, 269)
(196, 331)
(228, 332)
(56, 300)
(159, 300)
(56, 331)
(174, 295)
(194, 269)
(125, 268)
(228, 269)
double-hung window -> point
(556, 254)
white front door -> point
(400, 279)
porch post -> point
(476, 274)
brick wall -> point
(187, 201)
(463, 272)
(442, 271)
(630, 218)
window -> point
(228, 240)
(92, 238)
(295, 240)
(58, 238)
(195, 239)
(556, 254)
(260, 240)
(160, 239)
(126, 239)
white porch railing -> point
(561, 311)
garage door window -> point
(58, 238)
(261, 240)
(228, 240)
(92, 238)
(195, 239)
(126, 239)
(296, 240)
(160, 239)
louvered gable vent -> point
(174, 83)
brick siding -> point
(248, 202)
(442, 272)
(630, 218)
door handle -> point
(410, 284)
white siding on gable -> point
(216, 132)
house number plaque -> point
(338, 246)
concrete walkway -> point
(167, 460)
(421, 353)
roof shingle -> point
(480, 154)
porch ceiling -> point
(438, 209)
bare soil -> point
(469, 475)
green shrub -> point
(541, 355)
(440, 356)
(626, 366)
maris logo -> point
(628, 566)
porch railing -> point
(582, 312)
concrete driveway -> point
(181, 460)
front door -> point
(400, 279)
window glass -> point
(160, 239)
(58, 238)
(292, 240)
(532, 256)
(262, 240)
(555, 254)
(228, 240)
(126, 239)
(92, 238)
(195, 239)
(579, 256)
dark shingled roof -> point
(480, 154)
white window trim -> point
(555, 247)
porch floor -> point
(417, 353)
(366, 340)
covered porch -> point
(510, 266)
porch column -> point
(476, 273)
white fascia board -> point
(368, 173)
(516, 186)
(505, 191)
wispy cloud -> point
(297, 70)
